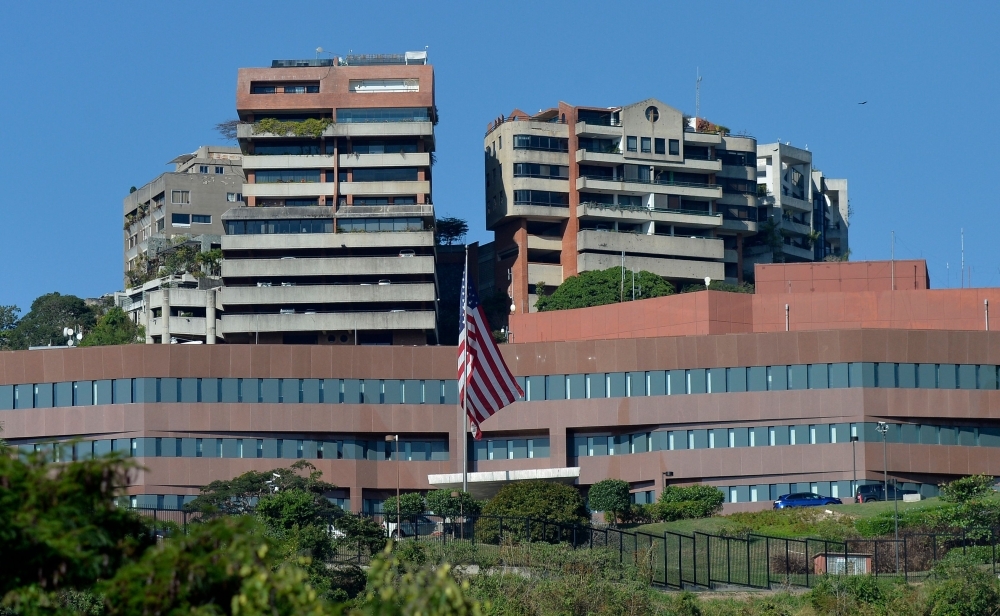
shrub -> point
(536, 500)
(967, 488)
(962, 588)
(697, 501)
(601, 287)
(411, 503)
(610, 496)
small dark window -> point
(675, 147)
(180, 219)
(631, 144)
(646, 145)
(203, 169)
(660, 145)
(201, 219)
(218, 170)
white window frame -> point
(175, 194)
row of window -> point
(287, 176)
(647, 145)
(186, 220)
(834, 489)
(509, 449)
(541, 197)
(585, 446)
(293, 88)
(288, 391)
(204, 169)
(534, 170)
(384, 114)
(376, 450)
(372, 225)
(548, 387)
(383, 174)
(539, 142)
(266, 227)
(396, 200)
(759, 378)
(176, 502)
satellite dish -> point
(319, 50)
(68, 331)
(708, 281)
(69, 342)
(79, 335)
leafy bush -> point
(537, 500)
(411, 503)
(720, 285)
(310, 127)
(601, 287)
(863, 594)
(967, 488)
(962, 588)
(610, 496)
(442, 503)
(681, 503)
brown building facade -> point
(755, 413)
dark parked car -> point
(876, 492)
(804, 499)
(410, 526)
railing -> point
(541, 176)
(497, 123)
(699, 157)
(655, 182)
(644, 209)
(671, 559)
(601, 122)
(736, 212)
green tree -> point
(114, 328)
(410, 503)
(395, 589)
(447, 231)
(967, 488)
(61, 530)
(239, 495)
(8, 321)
(536, 499)
(610, 496)
(441, 502)
(211, 261)
(601, 287)
(179, 259)
(44, 323)
(720, 285)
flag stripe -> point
(485, 383)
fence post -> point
(905, 566)
(708, 559)
(788, 571)
(666, 578)
(748, 560)
(729, 561)
(694, 556)
(767, 559)
(875, 557)
(807, 563)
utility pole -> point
(883, 428)
(854, 459)
(697, 96)
(399, 530)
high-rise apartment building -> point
(810, 211)
(573, 189)
(337, 244)
(188, 201)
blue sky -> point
(97, 97)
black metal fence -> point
(670, 559)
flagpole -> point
(465, 379)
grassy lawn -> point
(784, 523)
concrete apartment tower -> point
(188, 201)
(572, 189)
(336, 245)
(810, 210)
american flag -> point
(490, 385)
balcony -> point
(702, 138)
(292, 267)
(352, 129)
(420, 187)
(392, 159)
(291, 189)
(542, 242)
(550, 274)
(617, 184)
(652, 245)
(298, 241)
(307, 161)
(181, 326)
(788, 224)
(668, 268)
(328, 294)
(588, 129)
(686, 218)
(329, 321)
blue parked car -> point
(804, 499)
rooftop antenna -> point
(697, 94)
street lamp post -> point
(390, 438)
(854, 460)
(883, 429)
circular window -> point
(652, 113)
(343, 337)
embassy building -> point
(758, 394)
